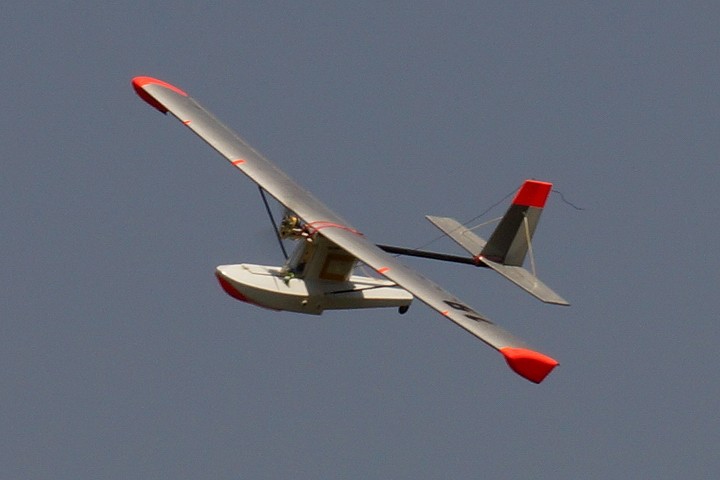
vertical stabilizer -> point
(508, 244)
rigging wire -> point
(476, 217)
(272, 220)
(562, 197)
(528, 239)
(484, 212)
(488, 209)
(492, 220)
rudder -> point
(508, 244)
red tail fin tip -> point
(533, 193)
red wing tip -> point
(533, 193)
(140, 82)
(529, 364)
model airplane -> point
(318, 275)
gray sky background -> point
(120, 356)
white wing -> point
(167, 98)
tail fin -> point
(508, 245)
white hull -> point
(268, 287)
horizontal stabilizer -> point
(460, 233)
(474, 245)
(527, 281)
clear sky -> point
(120, 356)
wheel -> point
(403, 309)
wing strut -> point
(272, 220)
